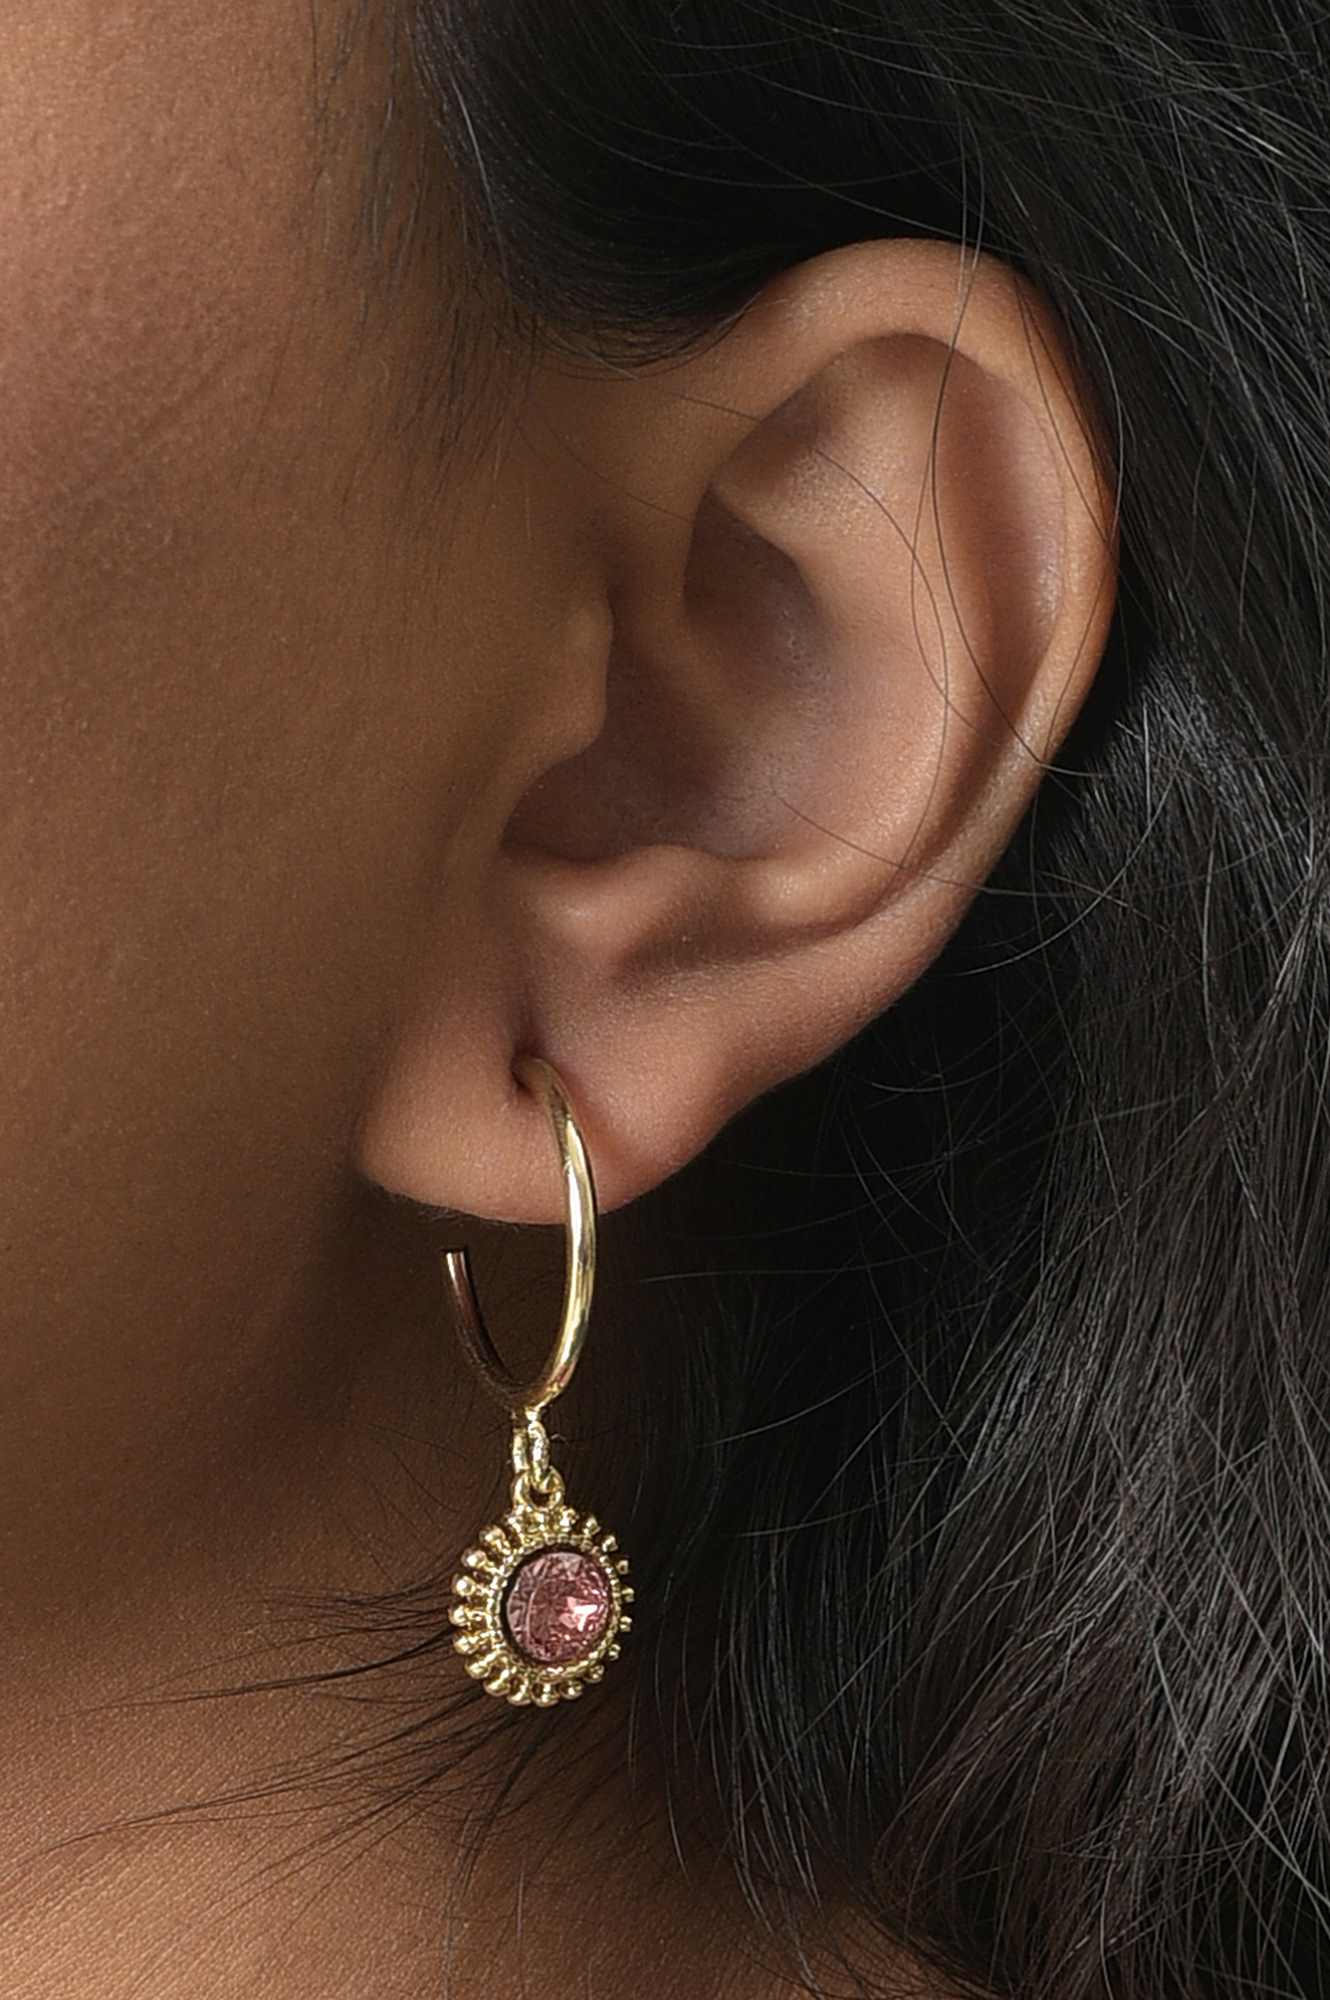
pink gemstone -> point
(557, 1607)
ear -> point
(852, 571)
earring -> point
(541, 1599)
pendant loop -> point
(532, 1470)
(525, 1401)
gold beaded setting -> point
(538, 1522)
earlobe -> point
(857, 599)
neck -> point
(165, 1511)
(187, 1812)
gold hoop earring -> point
(541, 1599)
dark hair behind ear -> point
(997, 1446)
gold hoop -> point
(525, 1401)
(542, 1599)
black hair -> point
(997, 1429)
(988, 1474)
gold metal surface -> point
(538, 1519)
(521, 1399)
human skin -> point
(325, 789)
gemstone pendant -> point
(541, 1600)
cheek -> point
(204, 829)
(266, 701)
(153, 162)
(163, 342)
(179, 581)
(266, 698)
